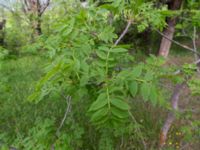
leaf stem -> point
(107, 89)
(108, 97)
(140, 80)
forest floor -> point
(18, 77)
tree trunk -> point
(38, 28)
(165, 44)
(2, 32)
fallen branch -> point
(177, 91)
(172, 114)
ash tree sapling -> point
(86, 66)
(95, 70)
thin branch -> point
(195, 47)
(139, 131)
(177, 43)
(179, 70)
(124, 32)
(8, 8)
(45, 7)
(68, 109)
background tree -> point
(2, 32)
(35, 10)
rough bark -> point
(165, 44)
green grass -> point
(18, 78)
(18, 116)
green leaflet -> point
(113, 50)
(99, 115)
(155, 61)
(118, 50)
(107, 34)
(67, 29)
(119, 113)
(120, 104)
(99, 103)
(133, 88)
(84, 66)
(145, 91)
(76, 66)
(124, 74)
(153, 97)
(103, 55)
(117, 89)
(102, 63)
(50, 74)
(104, 48)
(34, 96)
(137, 71)
(116, 120)
(102, 121)
(84, 80)
(39, 93)
(148, 76)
